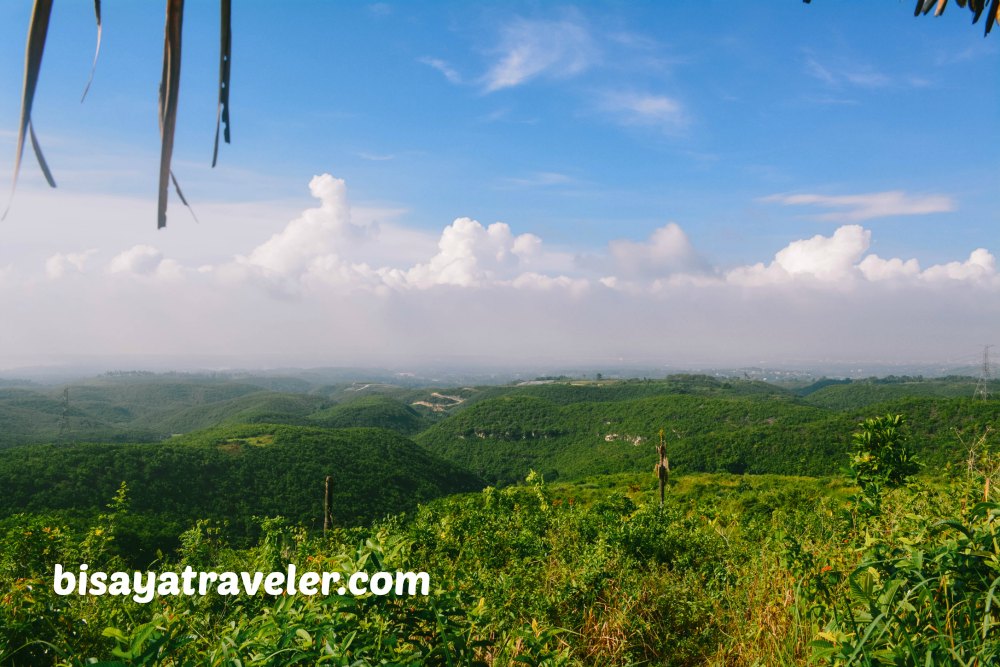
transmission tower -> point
(985, 375)
(64, 419)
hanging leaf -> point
(992, 16)
(37, 32)
(38, 154)
(180, 195)
(225, 57)
(977, 6)
(97, 51)
(169, 86)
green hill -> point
(233, 474)
(32, 416)
(139, 408)
(502, 439)
(372, 411)
(260, 407)
(848, 395)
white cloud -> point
(875, 268)
(847, 74)
(140, 259)
(317, 232)
(826, 258)
(829, 259)
(539, 281)
(840, 260)
(667, 251)
(145, 260)
(60, 264)
(364, 285)
(857, 208)
(325, 248)
(470, 255)
(633, 108)
(532, 48)
(981, 267)
(449, 72)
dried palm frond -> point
(169, 87)
(225, 58)
(37, 32)
(97, 50)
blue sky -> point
(686, 158)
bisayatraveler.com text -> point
(144, 586)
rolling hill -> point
(233, 474)
(502, 439)
(372, 411)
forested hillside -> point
(266, 451)
(502, 439)
(564, 429)
(847, 394)
(232, 474)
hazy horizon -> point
(479, 370)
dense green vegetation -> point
(230, 473)
(373, 411)
(794, 530)
(848, 395)
(502, 439)
(733, 570)
(149, 408)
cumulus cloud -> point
(532, 48)
(316, 232)
(61, 264)
(840, 260)
(539, 281)
(875, 268)
(145, 260)
(470, 255)
(981, 267)
(824, 258)
(856, 208)
(361, 288)
(325, 249)
(140, 259)
(667, 251)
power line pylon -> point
(985, 375)
(64, 419)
